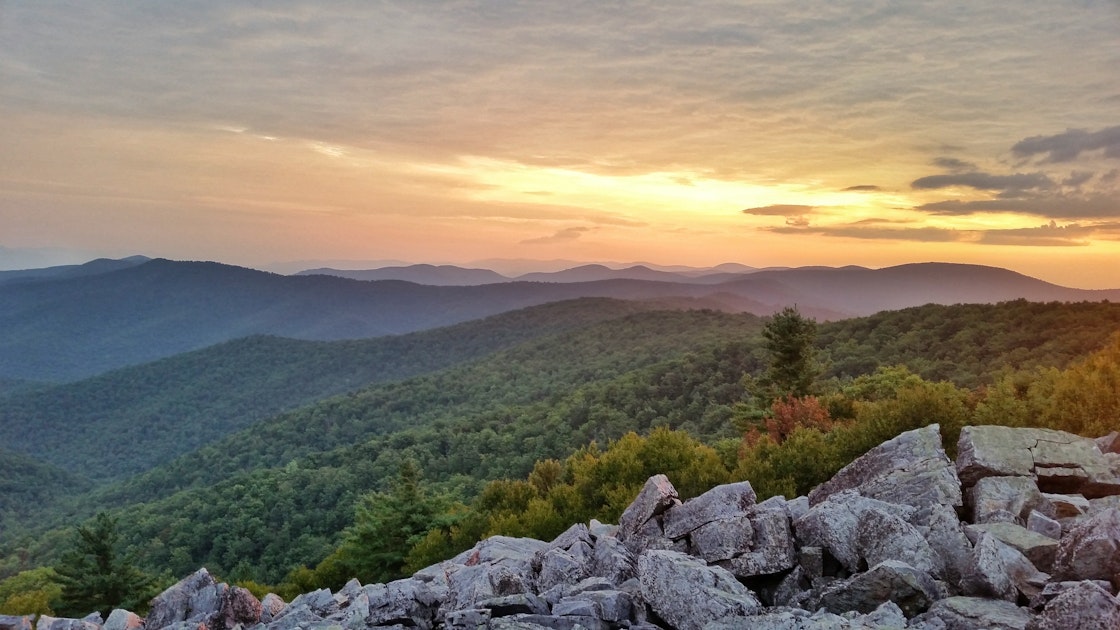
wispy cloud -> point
(566, 235)
(1068, 146)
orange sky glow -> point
(825, 133)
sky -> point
(768, 133)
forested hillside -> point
(175, 405)
(552, 417)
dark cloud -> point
(953, 164)
(566, 235)
(1052, 206)
(1068, 146)
(862, 187)
(923, 235)
(798, 221)
(1077, 178)
(986, 181)
(1050, 235)
(784, 210)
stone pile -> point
(1022, 532)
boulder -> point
(720, 503)
(911, 469)
(972, 613)
(1085, 606)
(772, 548)
(271, 606)
(190, 597)
(408, 599)
(637, 528)
(612, 560)
(688, 594)
(1053, 589)
(518, 604)
(952, 550)
(15, 622)
(1039, 523)
(911, 589)
(882, 536)
(1002, 499)
(121, 619)
(1037, 548)
(560, 567)
(722, 539)
(1059, 462)
(1091, 549)
(1001, 572)
(572, 535)
(1067, 505)
(834, 524)
(61, 623)
(238, 607)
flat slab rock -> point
(911, 469)
(1059, 462)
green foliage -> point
(95, 577)
(30, 592)
(789, 340)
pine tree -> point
(789, 340)
(94, 577)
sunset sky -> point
(837, 132)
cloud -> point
(862, 188)
(1100, 206)
(1050, 235)
(784, 210)
(986, 181)
(566, 235)
(953, 164)
(1077, 178)
(1068, 146)
(919, 234)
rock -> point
(515, 553)
(546, 622)
(995, 499)
(1039, 523)
(320, 602)
(15, 622)
(121, 619)
(519, 604)
(911, 589)
(408, 599)
(575, 533)
(610, 606)
(238, 607)
(834, 524)
(772, 549)
(1053, 589)
(722, 539)
(61, 623)
(1067, 505)
(720, 503)
(560, 567)
(470, 619)
(612, 560)
(1109, 443)
(292, 617)
(635, 529)
(599, 530)
(952, 550)
(911, 469)
(1059, 462)
(180, 602)
(1037, 548)
(887, 615)
(972, 613)
(1091, 549)
(881, 536)
(1001, 572)
(688, 594)
(271, 606)
(1085, 606)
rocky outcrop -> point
(881, 545)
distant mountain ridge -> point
(70, 327)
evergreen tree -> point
(95, 577)
(789, 340)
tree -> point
(95, 577)
(789, 340)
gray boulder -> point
(1039, 549)
(835, 525)
(1002, 499)
(1085, 606)
(612, 560)
(121, 619)
(15, 622)
(688, 594)
(271, 606)
(719, 503)
(972, 613)
(560, 567)
(722, 539)
(1039, 523)
(952, 550)
(193, 596)
(911, 469)
(882, 536)
(1001, 572)
(1091, 549)
(911, 589)
(772, 548)
(639, 526)
(1059, 462)
(238, 607)
(46, 622)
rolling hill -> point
(66, 329)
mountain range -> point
(68, 323)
